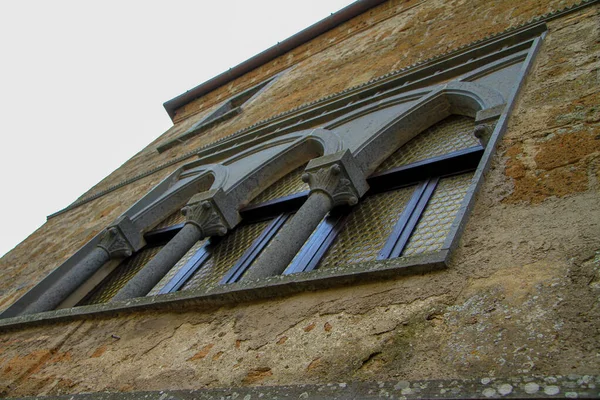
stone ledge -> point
(525, 387)
(259, 289)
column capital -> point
(338, 176)
(211, 212)
(483, 132)
(121, 238)
(206, 217)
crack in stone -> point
(161, 341)
(51, 353)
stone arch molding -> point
(174, 192)
(255, 169)
(463, 98)
(237, 179)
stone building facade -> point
(400, 201)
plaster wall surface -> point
(521, 292)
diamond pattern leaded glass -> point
(180, 264)
(290, 184)
(451, 134)
(367, 228)
(224, 255)
(434, 225)
(176, 218)
(120, 276)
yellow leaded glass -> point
(451, 134)
(290, 184)
(120, 276)
(177, 267)
(434, 225)
(224, 256)
(176, 218)
(367, 228)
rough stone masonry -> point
(520, 297)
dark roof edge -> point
(271, 53)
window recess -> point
(414, 197)
(224, 253)
(126, 270)
(227, 110)
(218, 261)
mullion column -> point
(118, 241)
(334, 180)
(203, 219)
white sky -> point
(82, 85)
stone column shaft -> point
(52, 297)
(289, 240)
(203, 220)
(158, 267)
(334, 180)
(119, 240)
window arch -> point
(414, 197)
(101, 289)
(220, 260)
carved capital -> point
(115, 244)
(122, 238)
(331, 181)
(206, 217)
(483, 132)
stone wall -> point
(520, 295)
(384, 39)
(55, 241)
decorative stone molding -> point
(115, 244)
(205, 216)
(330, 181)
(490, 113)
(338, 176)
(223, 205)
(483, 132)
(121, 239)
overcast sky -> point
(82, 84)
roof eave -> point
(271, 53)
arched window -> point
(128, 268)
(414, 198)
(221, 260)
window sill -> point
(235, 293)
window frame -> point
(425, 174)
